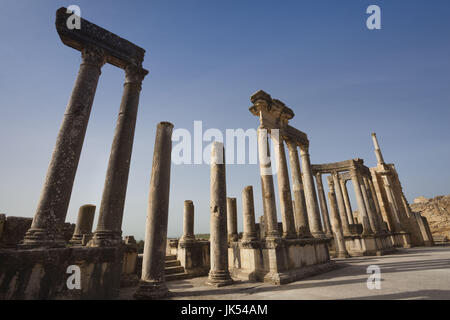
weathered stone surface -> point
(232, 220)
(437, 212)
(188, 221)
(84, 223)
(12, 230)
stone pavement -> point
(417, 273)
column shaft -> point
(85, 220)
(341, 204)
(310, 195)
(284, 189)
(300, 212)
(267, 188)
(46, 228)
(339, 241)
(232, 219)
(152, 284)
(375, 221)
(248, 210)
(369, 209)
(348, 206)
(323, 205)
(218, 273)
(109, 227)
(188, 221)
(363, 218)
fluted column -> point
(323, 205)
(218, 273)
(310, 195)
(153, 284)
(188, 221)
(348, 206)
(364, 219)
(284, 189)
(300, 212)
(232, 219)
(369, 208)
(375, 221)
(83, 227)
(248, 211)
(392, 204)
(47, 226)
(267, 188)
(109, 227)
(339, 241)
(377, 205)
(341, 204)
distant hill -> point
(437, 212)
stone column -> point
(47, 226)
(392, 204)
(153, 284)
(339, 241)
(268, 193)
(109, 227)
(218, 274)
(341, 205)
(364, 219)
(232, 219)
(284, 189)
(377, 206)
(377, 149)
(248, 210)
(188, 221)
(310, 195)
(300, 213)
(369, 207)
(323, 205)
(348, 206)
(376, 221)
(85, 220)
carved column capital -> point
(134, 74)
(94, 56)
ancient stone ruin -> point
(35, 255)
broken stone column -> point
(284, 189)
(300, 213)
(323, 205)
(232, 219)
(248, 210)
(46, 229)
(341, 204)
(339, 241)
(348, 206)
(310, 195)
(363, 218)
(268, 193)
(153, 284)
(83, 227)
(188, 221)
(377, 149)
(218, 274)
(109, 227)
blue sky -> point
(205, 59)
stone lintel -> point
(119, 52)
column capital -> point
(134, 74)
(94, 56)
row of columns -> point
(302, 219)
(46, 228)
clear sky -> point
(206, 58)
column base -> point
(151, 290)
(219, 278)
(37, 237)
(105, 238)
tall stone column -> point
(341, 204)
(378, 154)
(377, 206)
(339, 241)
(248, 210)
(376, 221)
(83, 227)
(268, 193)
(392, 204)
(188, 221)
(218, 274)
(364, 219)
(300, 213)
(323, 205)
(232, 219)
(153, 284)
(284, 189)
(109, 227)
(348, 206)
(310, 195)
(369, 207)
(47, 226)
